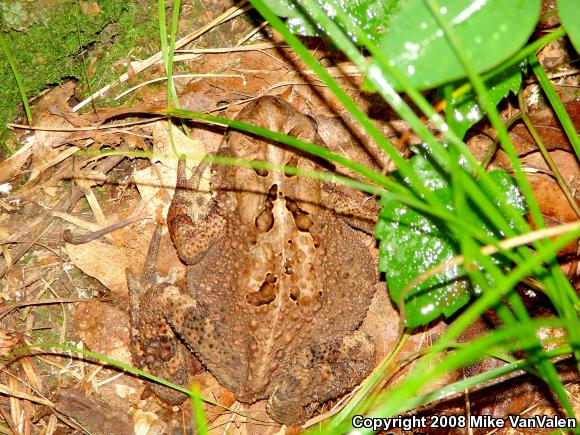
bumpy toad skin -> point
(277, 283)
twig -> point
(79, 239)
(252, 33)
(7, 309)
(93, 128)
(253, 47)
(20, 395)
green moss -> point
(63, 42)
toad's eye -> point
(262, 172)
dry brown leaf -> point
(553, 204)
(104, 329)
(548, 127)
(10, 167)
(102, 261)
(42, 141)
(566, 163)
(93, 413)
(552, 201)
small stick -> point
(79, 239)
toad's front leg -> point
(193, 228)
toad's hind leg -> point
(154, 346)
(325, 370)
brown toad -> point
(277, 283)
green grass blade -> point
(557, 105)
(406, 196)
(545, 366)
(17, 77)
(402, 398)
(477, 380)
(397, 193)
(26, 350)
(198, 413)
(171, 92)
(162, 19)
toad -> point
(277, 282)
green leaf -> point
(371, 15)
(464, 111)
(569, 11)
(412, 243)
(490, 32)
